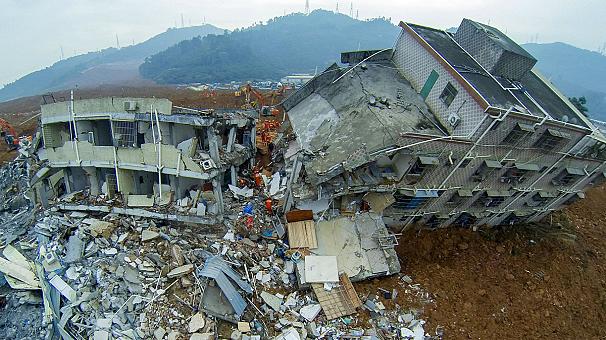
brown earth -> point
(524, 282)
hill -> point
(575, 71)
(108, 66)
(293, 43)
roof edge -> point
(475, 94)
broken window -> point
(485, 169)
(464, 220)
(125, 134)
(408, 200)
(417, 170)
(519, 173)
(517, 134)
(492, 198)
(551, 140)
(459, 196)
(449, 94)
(568, 176)
(541, 198)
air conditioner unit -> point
(453, 119)
(130, 105)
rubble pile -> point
(259, 273)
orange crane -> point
(8, 133)
(262, 107)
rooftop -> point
(368, 108)
(531, 94)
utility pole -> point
(306, 7)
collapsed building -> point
(442, 129)
(151, 152)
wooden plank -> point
(302, 234)
(299, 215)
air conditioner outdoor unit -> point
(130, 106)
(453, 119)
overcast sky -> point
(32, 31)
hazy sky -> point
(32, 31)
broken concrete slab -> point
(309, 312)
(197, 322)
(23, 274)
(321, 269)
(74, 249)
(272, 301)
(66, 290)
(140, 201)
(148, 235)
(180, 271)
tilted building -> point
(146, 149)
(442, 129)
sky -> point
(32, 32)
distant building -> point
(445, 129)
(147, 150)
(297, 79)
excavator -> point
(261, 104)
(8, 133)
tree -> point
(580, 103)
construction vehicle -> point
(8, 133)
(260, 104)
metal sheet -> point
(527, 166)
(464, 193)
(493, 164)
(426, 160)
(575, 171)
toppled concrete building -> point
(443, 129)
(151, 152)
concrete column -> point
(93, 180)
(231, 139)
(213, 145)
(66, 176)
(218, 193)
(234, 176)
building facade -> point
(152, 153)
(453, 129)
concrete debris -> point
(192, 255)
(196, 323)
(321, 269)
(180, 271)
(148, 235)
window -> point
(449, 94)
(485, 169)
(492, 198)
(464, 220)
(125, 133)
(458, 197)
(568, 176)
(519, 173)
(408, 200)
(551, 139)
(517, 134)
(418, 168)
(540, 198)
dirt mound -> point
(524, 282)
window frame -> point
(448, 95)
